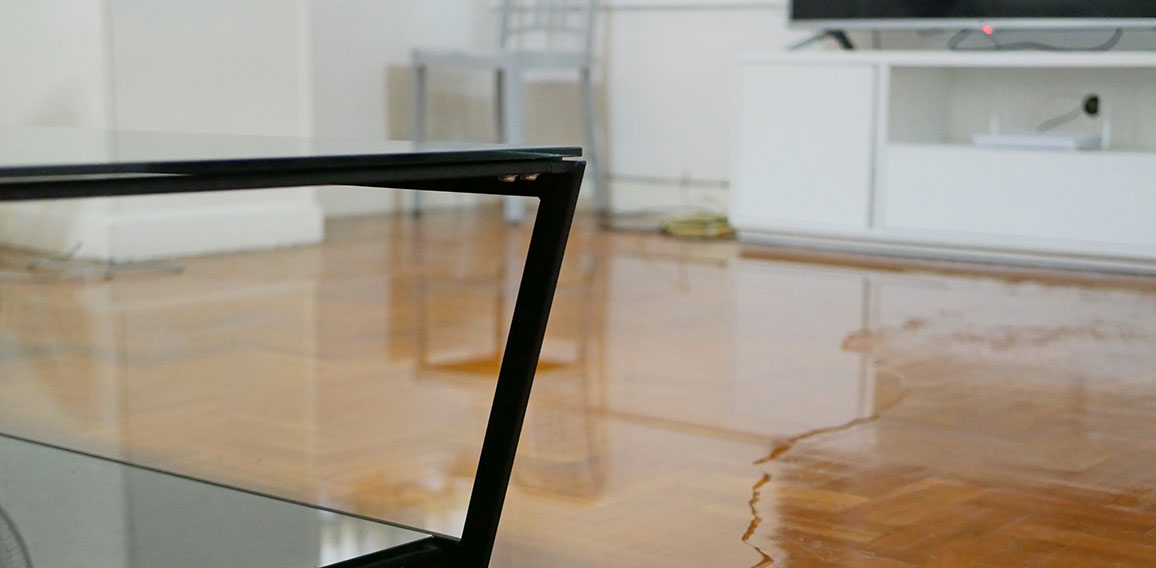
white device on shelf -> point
(1028, 140)
(1069, 140)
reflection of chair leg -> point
(593, 152)
(511, 111)
(564, 441)
(418, 128)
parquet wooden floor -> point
(696, 406)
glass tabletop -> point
(61, 509)
(48, 151)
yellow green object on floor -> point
(698, 226)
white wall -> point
(220, 66)
(339, 68)
(669, 76)
(56, 66)
(215, 66)
(206, 66)
(667, 83)
(355, 44)
(666, 79)
(56, 50)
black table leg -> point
(558, 194)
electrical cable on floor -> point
(702, 226)
(695, 222)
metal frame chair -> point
(533, 35)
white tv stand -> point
(872, 152)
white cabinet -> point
(872, 152)
(1085, 203)
(803, 154)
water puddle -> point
(996, 385)
(780, 449)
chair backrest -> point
(563, 25)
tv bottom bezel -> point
(998, 24)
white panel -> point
(804, 137)
(354, 42)
(54, 63)
(54, 60)
(669, 86)
(1075, 201)
(918, 107)
(223, 66)
(278, 218)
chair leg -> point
(500, 105)
(595, 156)
(511, 113)
(418, 128)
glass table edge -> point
(29, 172)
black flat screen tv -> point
(963, 14)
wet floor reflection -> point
(694, 407)
(1011, 426)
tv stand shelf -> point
(872, 152)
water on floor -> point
(694, 406)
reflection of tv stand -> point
(873, 152)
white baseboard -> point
(898, 247)
(94, 230)
(638, 195)
(72, 227)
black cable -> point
(1090, 106)
(955, 42)
(1060, 120)
(841, 37)
(958, 38)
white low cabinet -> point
(872, 152)
(809, 131)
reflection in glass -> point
(466, 300)
(13, 550)
(72, 510)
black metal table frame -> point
(554, 181)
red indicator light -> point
(988, 30)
